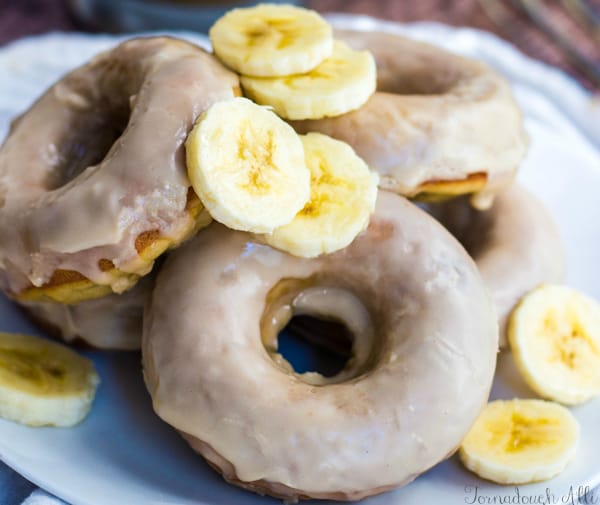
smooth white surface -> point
(122, 454)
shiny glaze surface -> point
(435, 116)
(405, 403)
(98, 160)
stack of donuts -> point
(106, 241)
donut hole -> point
(313, 344)
(472, 228)
(419, 75)
(87, 142)
(318, 331)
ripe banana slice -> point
(43, 383)
(247, 166)
(520, 441)
(343, 194)
(342, 83)
(271, 40)
(554, 334)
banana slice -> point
(43, 383)
(271, 40)
(520, 441)
(247, 166)
(342, 83)
(343, 194)
(554, 334)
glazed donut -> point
(424, 352)
(438, 125)
(93, 185)
(112, 322)
(515, 245)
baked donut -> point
(515, 245)
(438, 125)
(93, 185)
(112, 322)
(424, 353)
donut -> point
(515, 245)
(439, 125)
(112, 322)
(93, 185)
(424, 352)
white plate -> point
(122, 454)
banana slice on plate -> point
(554, 334)
(43, 383)
(343, 194)
(520, 441)
(342, 83)
(247, 166)
(271, 40)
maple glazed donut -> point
(424, 350)
(438, 125)
(515, 245)
(93, 185)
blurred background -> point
(564, 33)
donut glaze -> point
(438, 123)
(424, 352)
(515, 245)
(93, 183)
